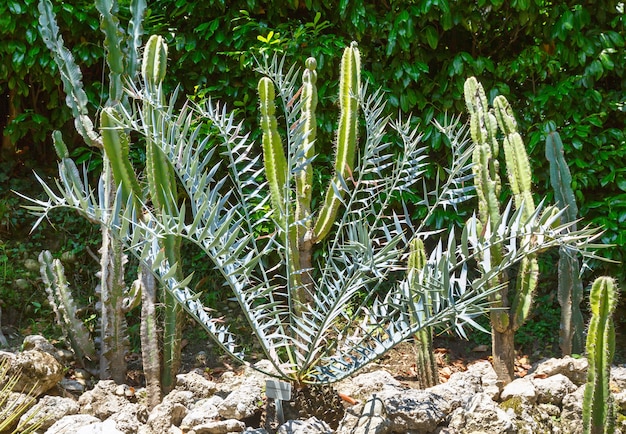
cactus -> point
(598, 405)
(163, 194)
(64, 307)
(426, 365)
(297, 226)
(121, 56)
(512, 308)
(570, 291)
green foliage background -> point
(554, 61)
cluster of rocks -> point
(547, 400)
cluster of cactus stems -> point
(162, 191)
(511, 307)
(122, 60)
(65, 309)
(426, 364)
(300, 228)
(598, 405)
(570, 291)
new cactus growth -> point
(64, 307)
(570, 291)
(598, 405)
(486, 125)
(426, 364)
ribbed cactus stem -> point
(273, 153)
(425, 362)
(117, 147)
(349, 88)
(598, 406)
(483, 128)
(64, 306)
(570, 290)
(304, 180)
(517, 164)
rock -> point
(481, 415)
(368, 418)
(220, 427)
(310, 426)
(38, 342)
(48, 410)
(165, 415)
(202, 412)
(196, 384)
(130, 418)
(520, 388)
(417, 410)
(71, 424)
(462, 385)
(365, 385)
(102, 401)
(72, 386)
(574, 369)
(618, 376)
(488, 377)
(106, 427)
(38, 371)
(242, 402)
(551, 390)
(10, 403)
(571, 415)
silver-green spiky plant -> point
(352, 314)
(64, 307)
(570, 292)
(512, 307)
(598, 403)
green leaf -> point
(432, 37)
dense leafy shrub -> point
(560, 62)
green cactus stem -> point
(570, 290)
(64, 307)
(598, 405)
(485, 126)
(426, 364)
(349, 88)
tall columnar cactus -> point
(598, 405)
(64, 306)
(164, 195)
(426, 364)
(570, 292)
(485, 125)
(121, 48)
(299, 227)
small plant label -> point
(278, 391)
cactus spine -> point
(297, 224)
(570, 291)
(598, 405)
(484, 126)
(62, 302)
(426, 365)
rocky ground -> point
(547, 399)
